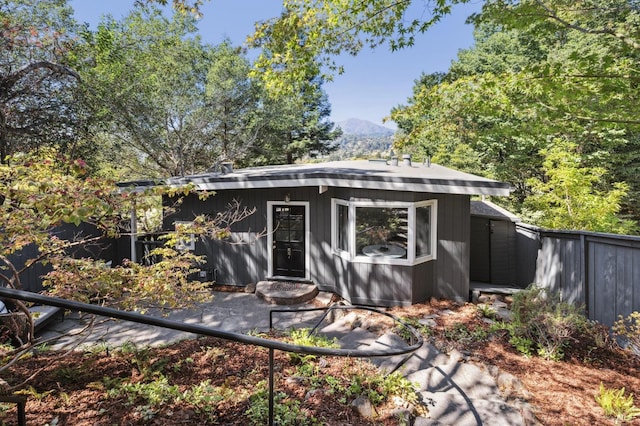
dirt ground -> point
(72, 390)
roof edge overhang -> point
(432, 186)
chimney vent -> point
(394, 161)
(226, 167)
(406, 159)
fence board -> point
(601, 271)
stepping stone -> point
(423, 358)
(358, 337)
(387, 341)
(337, 329)
(451, 409)
(465, 379)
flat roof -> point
(364, 174)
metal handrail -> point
(227, 335)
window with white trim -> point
(384, 232)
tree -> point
(38, 103)
(146, 87)
(308, 34)
(296, 125)
(44, 194)
(234, 109)
(569, 197)
(521, 90)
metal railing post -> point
(271, 396)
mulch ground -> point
(72, 390)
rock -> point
(403, 415)
(295, 380)
(511, 387)
(363, 407)
(484, 299)
(312, 393)
(497, 304)
(504, 314)
(250, 288)
(428, 322)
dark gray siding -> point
(364, 283)
(452, 266)
(106, 249)
(599, 271)
(527, 245)
(503, 252)
(559, 268)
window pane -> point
(423, 231)
(343, 227)
(381, 232)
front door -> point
(288, 240)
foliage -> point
(38, 100)
(568, 197)
(49, 202)
(460, 332)
(403, 331)
(296, 126)
(286, 411)
(543, 324)
(615, 404)
(629, 329)
(177, 106)
(557, 83)
(145, 83)
(308, 34)
(302, 337)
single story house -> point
(375, 232)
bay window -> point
(384, 232)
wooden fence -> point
(595, 270)
(106, 249)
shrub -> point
(615, 404)
(629, 329)
(286, 411)
(543, 324)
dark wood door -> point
(289, 241)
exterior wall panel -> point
(244, 259)
(452, 267)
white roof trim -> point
(349, 174)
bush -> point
(543, 324)
(615, 404)
(629, 329)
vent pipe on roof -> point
(406, 159)
(226, 167)
(394, 161)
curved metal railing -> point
(414, 343)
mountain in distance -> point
(362, 139)
(356, 126)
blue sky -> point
(373, 82)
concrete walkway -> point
(235, 312)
